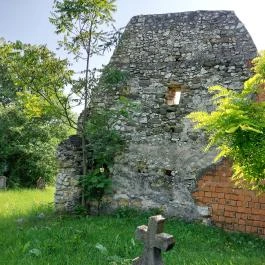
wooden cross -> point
(154, 240)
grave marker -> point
(40, 183)
(154, 241)
(2, 182)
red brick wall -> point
(231, 208)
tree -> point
(34, 112)
(237, 127)
(38, 79)
(82, 24)
(28, 146)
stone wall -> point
(230, 207)
(69, 156)
(164, 54)
(189, 51)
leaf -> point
(232, 129)
(101, 248)
(26, 246)
(248, 128)
(35, 252)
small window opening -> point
(173, 94)
(168, 172)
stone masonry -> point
(69, 156)
(168, 56)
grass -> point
(31, 234)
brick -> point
(254, 229)
(219, 189)
(240, 197)
(208, 194)
(221, 207)
(214, 200)
(220, 195)
(231, 197)
(241, 221)
(221, 218)
(262, 199)
(220, 212)
(239, 203)
(229, 214)
(229, 226)
(247, 198)
(243, 210)
(260, 231)
(248, 228)
(222, 201)
(238, 215)
(255, 217)
(258, 211)
(259, 223)
(251, 204)
(198, 193)
(262, 206)
(230, 220)
(230, 202)
(255, 198)
(231, 208)
(242, 228)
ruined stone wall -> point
(69, 156)
(189, 52)
(192, 51)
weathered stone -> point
(154, 241)
(67, 189)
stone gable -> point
(171, 59)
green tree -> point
(82, 24)
(34, 112)
(28, 146)
(38, 80)
(237, 127)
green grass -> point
(31, 234)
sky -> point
(27, 20)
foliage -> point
(237, 128)
(107, 240)
(39, 80)
(103, 143)
(34, 112)
(82, 24)
(96, 185)
(28, 146)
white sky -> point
(27, 20)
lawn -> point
(31, 234)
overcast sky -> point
(27, 20)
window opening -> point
(173, 94)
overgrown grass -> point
(31, 234)
(22, 202)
